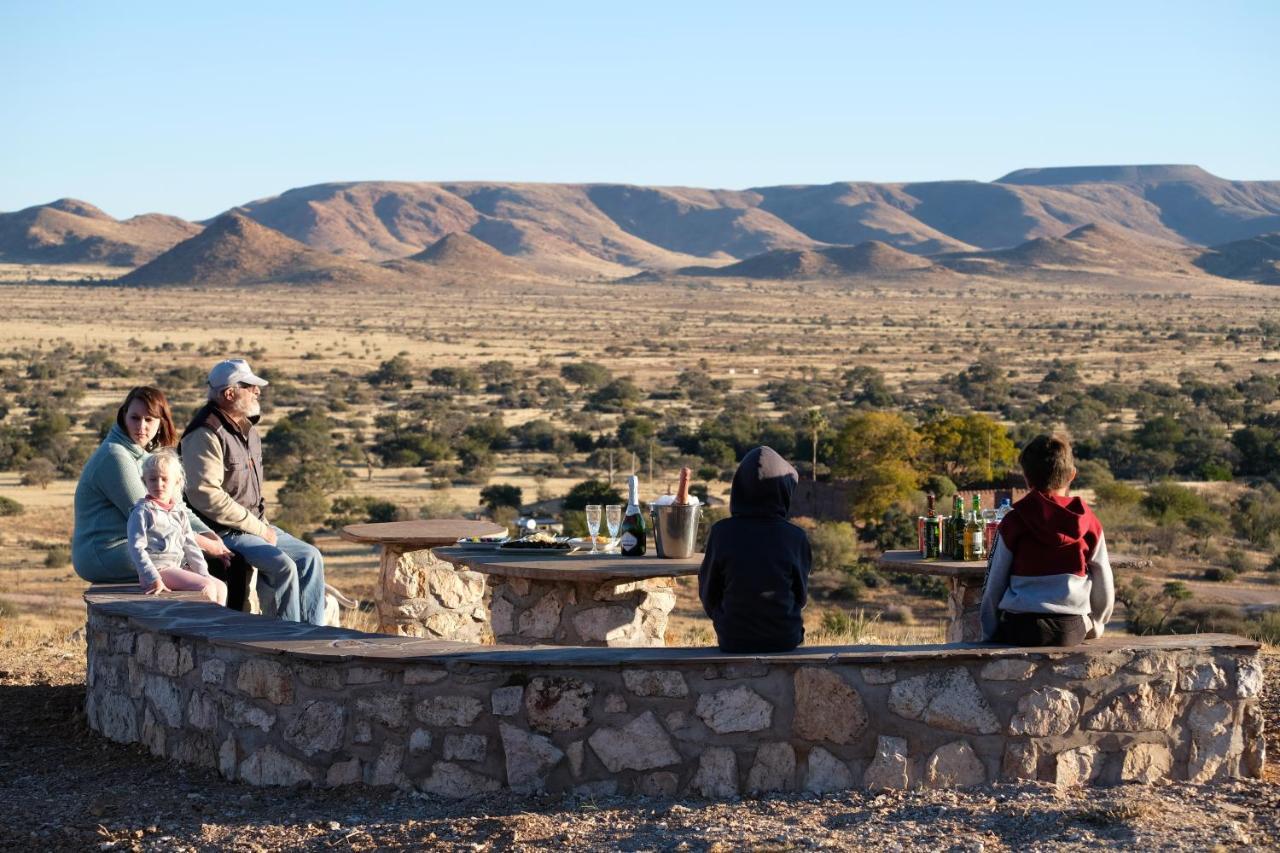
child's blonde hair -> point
(167, 457)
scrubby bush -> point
(1214, 573)
(39, 472)
(1264, 627)
(834, 545)
(1116, 493)
(900, 613)
(8, 506)
(57, 556)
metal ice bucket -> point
(675, 529)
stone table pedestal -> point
(418, 595)
(577, 600)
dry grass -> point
(744, 332)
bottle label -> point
(627, 541)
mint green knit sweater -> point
(110, 484)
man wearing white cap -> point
(222, 458)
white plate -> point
(583, 543)
(480, 546)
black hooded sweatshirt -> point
(755, 573)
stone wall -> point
(271, 703)
(419, 595)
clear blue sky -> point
(191, 108)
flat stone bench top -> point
(910, 562)
(417, 535)
(187, 614)
(580, 567)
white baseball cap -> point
(231, 372)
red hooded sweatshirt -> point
(1050, 557)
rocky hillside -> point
(235, 250)
(72, 231)
(461, 253)
(1089, 248)
(870, 259)
(615, 230)
(1255, 259)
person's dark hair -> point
(157, 407)
(1047, 462)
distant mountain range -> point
(1130, 219)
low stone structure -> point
(420, 595)
(611, 613)
(273, 703)
(576, 599)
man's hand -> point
(155, 588)
(212, 545)
(270, 535)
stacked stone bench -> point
(273, 703)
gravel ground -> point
(62, 787)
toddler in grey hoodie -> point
(159, 539)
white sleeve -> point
(1102, 592)
(994, 589)
(135, 543)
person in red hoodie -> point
(1049, 583)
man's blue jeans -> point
(290, 572)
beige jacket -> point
(203, 463)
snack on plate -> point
(540, 541)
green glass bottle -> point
(974, 535)
(931, 534)
(956, 523)
(634, 538)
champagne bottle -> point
(682, 488)
(634, 540)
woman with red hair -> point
(111, 483)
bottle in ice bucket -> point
(975, 533)
(633, 539)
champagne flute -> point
(593, 523)
(613, 519)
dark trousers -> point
(1039, 629)
(235, 576)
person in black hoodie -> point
(754, 578)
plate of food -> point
(583, 543)
(537, 543)
(481, 543)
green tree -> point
(617, 396)
(501, 494)
(968, 448)
(299, 438)
(634, 434)
(395, 372)
(1169, 503)
(586, 374)
(815, 422)
(834, 546)
(876, 453)
(460, 379)
(39, 472)
(591, 492)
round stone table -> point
(965, 580)
(418, 595)
(577, 599)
